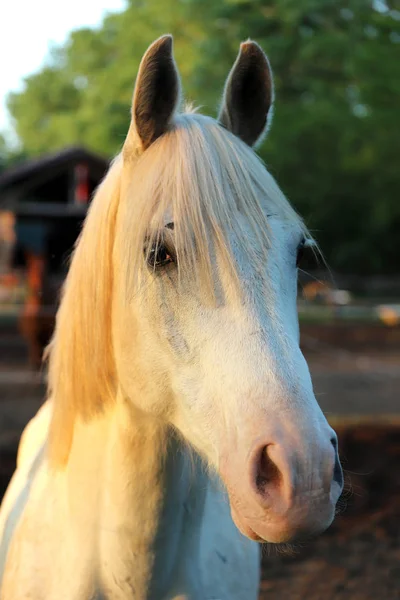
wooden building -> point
(42, 205)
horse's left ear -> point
(156, 96)
(248, 95)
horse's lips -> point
(245, 529)
(273, 530)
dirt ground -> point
(358, 558)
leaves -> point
(333, 146)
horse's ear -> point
(248, 95)
(156, 96)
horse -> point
(180, 429)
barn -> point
(42, 206)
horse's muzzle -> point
(285, 491)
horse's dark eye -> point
(159, 256)
(300, 252)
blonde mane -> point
(205, 179)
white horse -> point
(181, 426)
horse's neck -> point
(147, 509)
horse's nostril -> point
(337, 469)
(267, 473)
(338, 472)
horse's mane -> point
(206, 180)
(81, 364)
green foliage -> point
(333, 146)
(3, 153)
(9, 158)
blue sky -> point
(29, 27)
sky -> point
(29, 27)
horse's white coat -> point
(134, 513)
(157, 527)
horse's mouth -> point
(279, 533)
(244, 528)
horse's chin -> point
(244, 528)
(280, 538)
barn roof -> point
(21, 173)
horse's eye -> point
(300, 252)
(159, 256)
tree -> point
(333, 145)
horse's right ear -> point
(156, 97)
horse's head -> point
(204, 324)
(213, 300)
